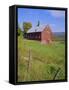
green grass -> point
(44, 62)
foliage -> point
(19, 31)
(26, 26)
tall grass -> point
(46, 60)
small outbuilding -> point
(41, 33)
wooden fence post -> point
(29, 62)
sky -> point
(54, 18)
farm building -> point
(42, 33)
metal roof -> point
(37, 29)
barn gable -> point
(47, 35)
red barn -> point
(41, 33)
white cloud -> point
(57, 13)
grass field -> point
(37, 61)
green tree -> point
(26, 26)
(19, 31)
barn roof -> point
(37, 29)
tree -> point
(19, 31)
(26, 26)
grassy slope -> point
(45, 60)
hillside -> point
(59, 36)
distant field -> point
(37, 61)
